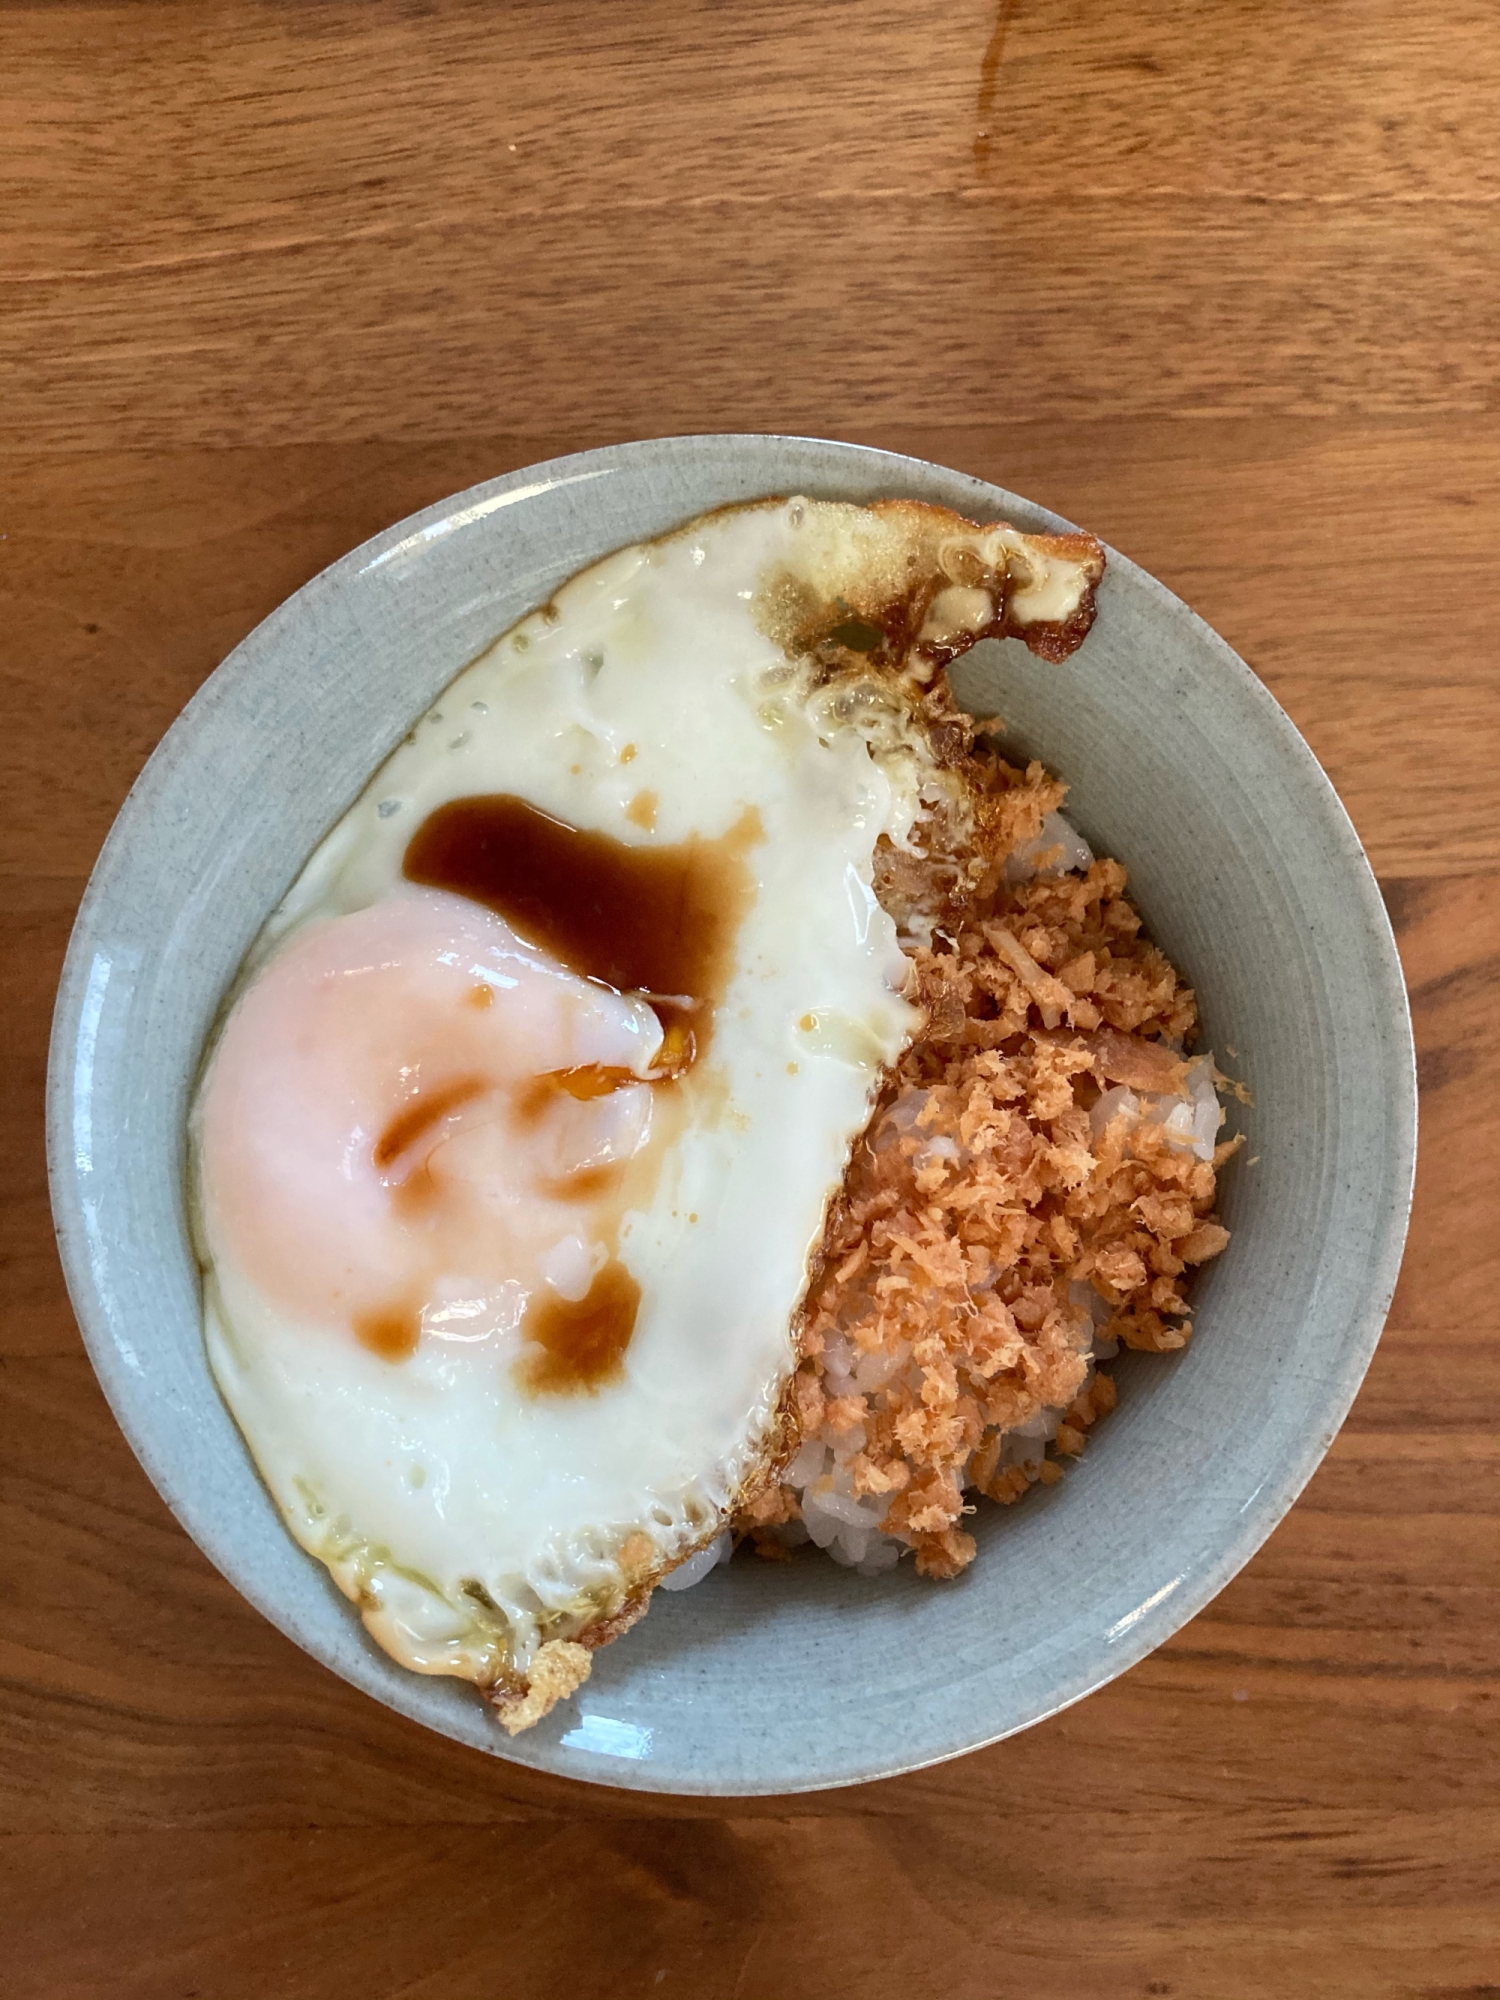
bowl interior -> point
(778, 1678)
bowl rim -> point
(1161, 1616)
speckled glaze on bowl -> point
(782, 1678)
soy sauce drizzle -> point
(392, 1332)
(643, 918)
(420, 1115)
(578, 1345)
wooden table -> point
(1222, 282)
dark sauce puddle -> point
(653, 920)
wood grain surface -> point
(1221, 282)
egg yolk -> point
(416, 1128)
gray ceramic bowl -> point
(788, 1677)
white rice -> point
(1058, 849)
(697, 1567)
(1190, 1117)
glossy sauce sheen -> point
(643, 919)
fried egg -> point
(520, 1124)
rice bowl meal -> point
(517, 1379)
(702, 1095)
